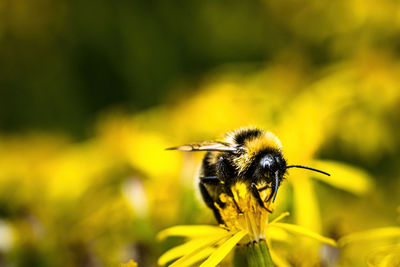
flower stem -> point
(265, 252)
(254, 254)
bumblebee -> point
(248, 155)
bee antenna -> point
(308, 168)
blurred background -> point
(91, 92)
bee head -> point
(271, 163)
(271, 166)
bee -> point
(248, 155)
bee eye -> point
(267, 162)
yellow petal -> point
(386, 261)
(343, 176)
(385, 256)
(280, 217)
(131, 263)
(278, 260)
(189, 247)
(370, 235)
(223, 250)
(192, 258)
(190, 231)
(305, 203)
(296, 229)
(277, 234)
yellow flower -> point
(388, 256)
(380, 255)
(130, 263)
(212, 243)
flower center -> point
(252, 218)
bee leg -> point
(213, 180)
(225, 172)
(210, 202)
(263, 188)
(229, 192)
(256, 194)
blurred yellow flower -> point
(388, 256)
(130, 263)
(348, 111)
(371, 241)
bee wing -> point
(206, 146)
